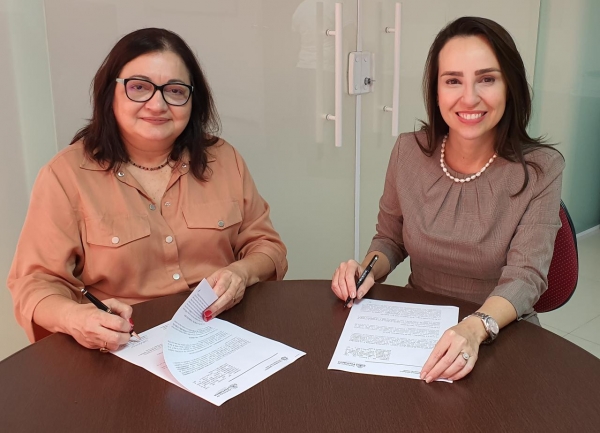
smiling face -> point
(471, 88)
(152, 125)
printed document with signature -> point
(215, 360)
(390, 338)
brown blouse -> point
(475, 239)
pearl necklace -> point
(468, 179)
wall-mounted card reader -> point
(360, 72)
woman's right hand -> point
(344, 280)
(94, 328)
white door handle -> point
(337, 117)
(396, 89)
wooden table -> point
(528, 380)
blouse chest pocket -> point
(218, 215)
(116, 231)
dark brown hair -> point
(512, 139)
(101, 137)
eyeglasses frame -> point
(124, 81)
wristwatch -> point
(491, 326)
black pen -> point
(363, 277)
(98, 303)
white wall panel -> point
(28, 136)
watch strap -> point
(485, 318)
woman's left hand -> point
(229, 284)
(455, 354)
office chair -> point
(564, 268)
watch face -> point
(493, 326)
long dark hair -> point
(101, 138)
(512, 139)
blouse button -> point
(115, 240)
(120, 174)
(169, 239)
(152, 206)
(176, 276)
(221, 223)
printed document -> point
(390, 338)
(215, 360)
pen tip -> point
(134, 334)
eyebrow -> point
(477, 72)
(173, 80)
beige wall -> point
(28, 137)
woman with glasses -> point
(147, 201)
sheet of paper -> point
(390, 338)
(217, 360)
(214, 360)
(148, 352)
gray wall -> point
(567, 99)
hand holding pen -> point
(100, 305)
(363, 277)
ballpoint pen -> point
(98, 303)
(363, 277)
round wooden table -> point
(528, 380)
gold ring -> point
(234, 298)
(465, 356)
(104, 349)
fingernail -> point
(428, 379)
(131, 321)
(359, 295)
(422, 375)
(353, 295)
(207, 313)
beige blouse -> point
(88, 227)
(471, 240)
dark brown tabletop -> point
(528, 380)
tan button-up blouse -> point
(475, 239)
(88, 227)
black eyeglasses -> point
(139, 90)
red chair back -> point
(564, 268)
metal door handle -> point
(396, 88)
(337, 116)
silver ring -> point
(465, 356)
(234, 298)
(104, 349)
